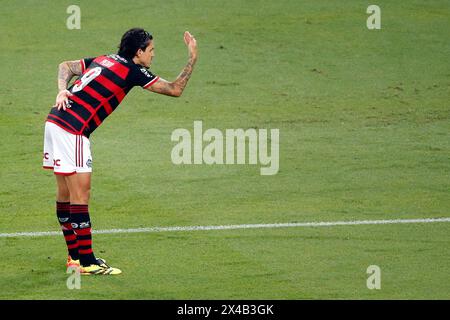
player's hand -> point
(62, 100)
(191, 43)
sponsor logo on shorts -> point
(56, 162)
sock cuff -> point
(65, 206)
(79, 208)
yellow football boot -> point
(99, 269)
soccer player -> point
(101, 85)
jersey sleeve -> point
(143, 77)
(85, 63)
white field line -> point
(233, 227)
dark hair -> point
(133, 40)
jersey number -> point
(86, 78)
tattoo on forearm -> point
(176, 87)
(167, 89)
(184, 76)
(66, 72)
(64, 77)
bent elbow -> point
(62, 64)
(177, 93)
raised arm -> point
(176, 88)
(66, 71)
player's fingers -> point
(193, 44)
(187, 36)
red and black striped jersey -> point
(98, 91)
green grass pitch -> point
(364, 135)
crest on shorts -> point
(89, 163)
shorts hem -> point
(64, 173)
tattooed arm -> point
(176, 88)
(67, 70)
